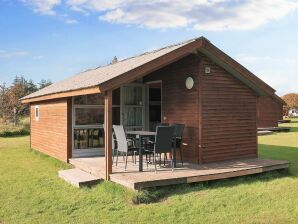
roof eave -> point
(279, 99)
(201, 44)
(77, 92)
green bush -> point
(9, 130)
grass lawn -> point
(31, 192)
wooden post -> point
(108, 133)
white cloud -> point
(43, 6)
(163, 14)
(198, 14)
(280, 81)
(71, 21)
(13, 54)
(46, 7)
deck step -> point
(260, 133)
(78, 177)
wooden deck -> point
(284, 121)
(189, 173)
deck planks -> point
(190, 173)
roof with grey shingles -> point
(97, 76)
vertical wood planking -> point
(108, 133)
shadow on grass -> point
(159, 194)
(294, 129)
(294, 121)
(265, 151)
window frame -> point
(88, 151)
(36, 109)
(86, 107)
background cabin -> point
(270, 111)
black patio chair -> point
(163, 143)
(147, 143)
(178, 134)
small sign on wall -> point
(207, 70)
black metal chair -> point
(163, 142)
(178, 134)
(124, 144)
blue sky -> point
(54, 39)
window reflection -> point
(133, 95)
(89, 116)
(88, 138)
(92, 99)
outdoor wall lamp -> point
(189, 82)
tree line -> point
(10, 104)
(291, 99)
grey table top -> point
(142, 133)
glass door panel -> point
(133, 95)
(133, 116)
(133, 107)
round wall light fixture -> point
(189, 83)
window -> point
(116, 107)
(89, 116)
(88, 119)
(89, 100)
(132, 111)
(36, 113)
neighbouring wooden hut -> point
(269, 111)
(193, 83)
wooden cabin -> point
(193, 83)
(269, 111)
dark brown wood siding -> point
(180, 105)
(51, 134)
(228, 115)
(269, 112)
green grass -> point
(9, 130)
(31, 192)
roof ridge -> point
(159, 49)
